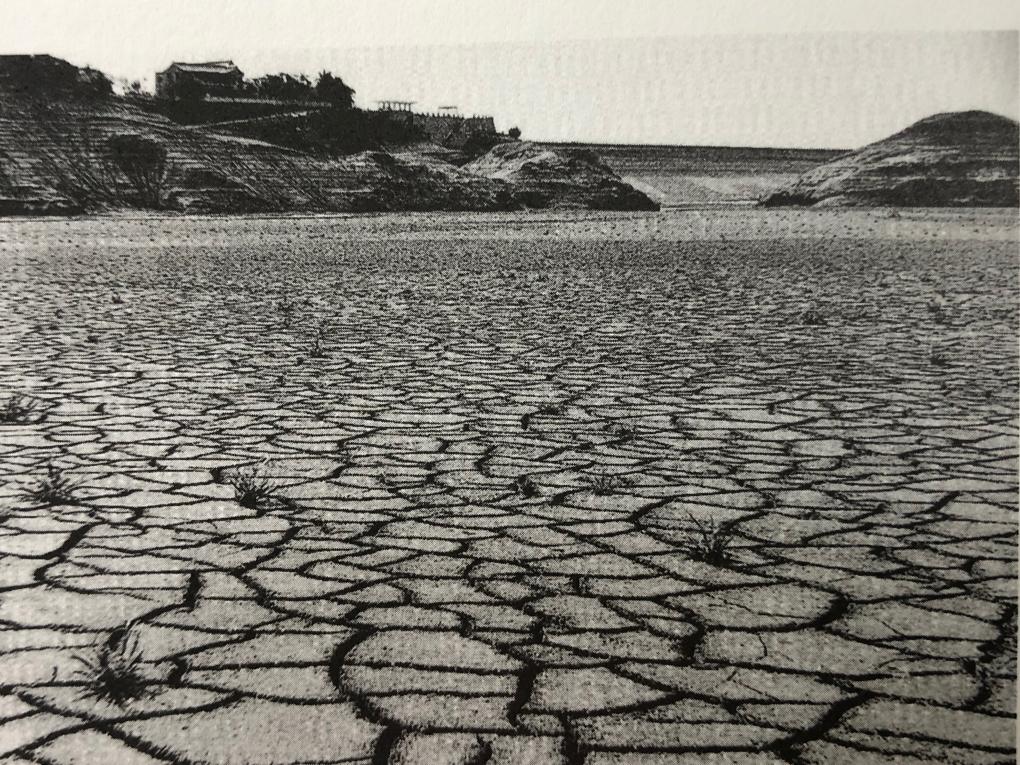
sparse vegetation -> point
(332, 131)
(710, 541)
(811, 317)
(604, 484)
(299, 87)
(287, 306)
(552, 409)
(937, 306)
(55, 489)
(625, 432)
(144, 161)
(17, 410)
(75, 157)
(344, 457)
(252, 488)
(317, 351)
(114, 674)
(526, 487)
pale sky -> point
(721, 72)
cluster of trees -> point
(45, 75)
(329, 133)
(288, 87)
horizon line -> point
(661, 145)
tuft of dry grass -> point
(252, 488)
(552, 409)
(811, 317)
(604, 484)
(625, 432)
(287, 306)
(114, 674)
(317, 351)
(17, 410)
(710, 541)
(55, 489)
(526, 487)
(344, 456)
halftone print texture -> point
(670, 427)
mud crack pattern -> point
(603, 489)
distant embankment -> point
(679, 176)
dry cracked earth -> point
(598, 489)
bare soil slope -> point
(958, 159)
(53, 158)
(542, 177)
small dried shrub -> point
(710, 541)
(17, 410)
(55, 489)
(604, 484)
(252, 488)
(526, 487)
(114, 674)
(811, 317)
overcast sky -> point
(660, 71)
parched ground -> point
(737, 487)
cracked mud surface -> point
(495, 453)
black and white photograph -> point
(509, 383)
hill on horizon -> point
(953, 159)
(70, 146)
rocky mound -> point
(959, 159)
(568, 178)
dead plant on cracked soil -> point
(604, 484)
(317, 351)
(55, 489)
(17, 410)
(344, 457)
(252, 488)
(526, 487)
(552, 409)
(114, 674)
(710, 541)
(623, 432)
(811, 317)
(286, 307)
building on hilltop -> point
(209, 78)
